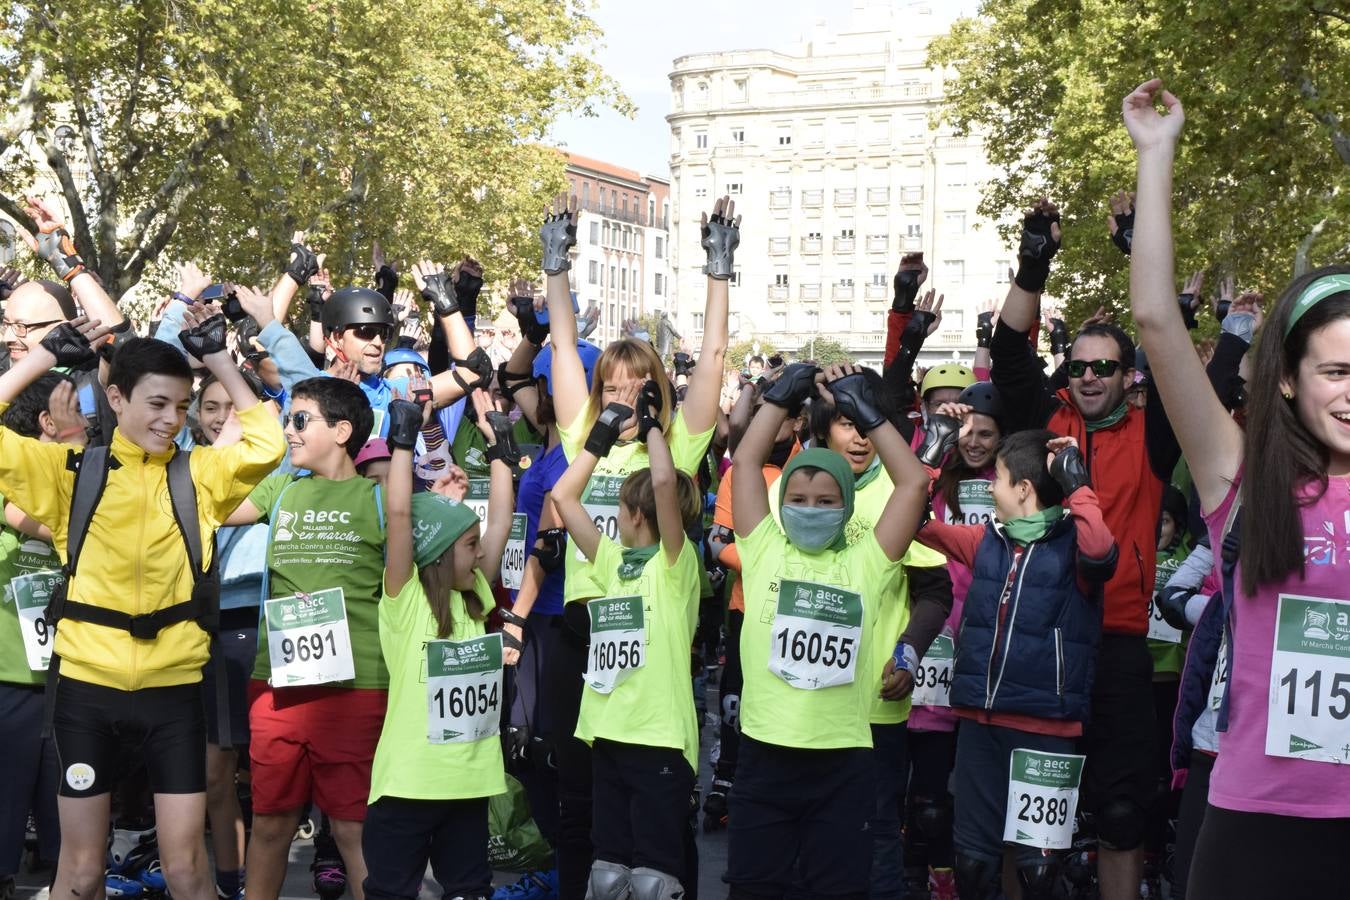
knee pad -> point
(608, 881)
(1121, 825)
(977, 878)
(1039, 880)
(932, 818)
(650, 884)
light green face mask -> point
(813, 528)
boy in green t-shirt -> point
(806, 774)
(318, 697)
(636, 710)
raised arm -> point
(501, 491)
(1210, 439)
(446, 292)
(721, 235)
(559, 235)
(301, 265)
(669, 522)
(749, 494)
(54, 244)
(1040, 243)
(398, 539)
(203, 337)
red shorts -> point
(318, 744)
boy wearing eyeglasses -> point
(319, 689)
(1130, 454)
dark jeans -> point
(890, 749)
(401, 836)
(641, 806)
(539, 774)
(800, 815)
(28, 779)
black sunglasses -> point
(301, 420)
(1102, 368)
(371, 332)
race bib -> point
(31, 594)
(476, 498)
(601, 501)
(817, 633)
(1218, 682)
(1158, 629)
(513, 557)
(1042, 798)
(464, 689)
(618, 641)
(933, 678)
(308, 641)
(1310, 681)
(977, 503)
(377, 422)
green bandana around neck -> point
(1109, 419)
(867, 475)
(635, 559)
(1026, 529)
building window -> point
(624, 239)
(700, 140)
(879, 278)
(956, 175)
(606, 240)
(845, 321)
(914, 230)
(738, 135)
(637, 278)
(738, 89)
(780, 280)
(815, 134)
(660, 247)
(879, 131)
(656, 285)
(698, 321)
(1001, 267)
(600, 194)
(779, 321)
(585, 195)
(700, 188)
(846, 282)
(734, 188)
(602, 276)
(595, 232)
(846, 233)
(812, 320)
(665, 215)
(613, 277)
(736, 277)
(954, 222)
(651, 211)
(847, 133)
(785, 136)
(623, 279)
(593, 272)
(954, 271)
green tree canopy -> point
(207, 130)
(825, 352)
(739, 353)
(1264, 163)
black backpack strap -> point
(1229, 553)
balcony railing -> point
(779, 246)
(842, 292)
(812, 199)
(845, 196)
(811, 245)
(778, 292)
(810, 290)
(780, 199)
(875, 292)
(844, 244)
(911, 195)
(911, 242)
(878, 243)
(878, 196)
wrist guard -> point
(314, 297)
(648, 409)
(1059, 337)
(205, 339)
(854, 400)
(1124, 236)
(1221, 308)
(467, 288)
(1240, 325)
(793, 388)
(386, 282)
(607, 428)
(550, 548)
(57, 247)
(1184, 300)
(558, 234)
(939, 437)
(984, 330)
(905, 657)
(1171, 603)
(531, 328)
(504, 445)
(906, 290)
(405, 421)
(1037, 248)
(436, 292)
(302, 265)
(684, 364)
(68, 346)
(721, 236)
(1069, 471)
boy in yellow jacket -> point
(120, 697)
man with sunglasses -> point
(1130, 453)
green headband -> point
(1314, 293)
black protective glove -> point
(911, 340)
(854, 400)
(531, 328)
(1069, 471)
(467, 288)
(1124, 236)
(906, 289)
(1059, 337)
(57, 247)
(1221, 309)
(70, 348)
(607, 428)
(984, 329)
(721, 237)
(1037, 248)
(302, 265)
(516, 744)
(648, 409)
(204, 339)
(684, 364)
(386, 282)
(438, 294)
(939, 437)
(1172, 605)
(793, 388)
(1186, 301)
(405, 421)
(504, 446)
(314, 297)
(558, 235)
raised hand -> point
(302, 264)
(467, 277)
(70, 342)
(1189, 299)
(53, 242)
(436, 287)
(984, 324)
(1121, 220)
(204, 330)
(1224, 298)
(559, 234)
(913, 272)
(255, 303)
(1149, 128)
(847, 388)
(721, 235)
(192, 281)
(928, 312)
(1066, 465)
(10, 279)
(453, 485)
(405, 301)
(63, 406)
(1040, 242)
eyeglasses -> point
(21, 329)
(1102, 368)
(302, 419)
(371, 332)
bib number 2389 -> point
(464, 681)
(308, 641)
(618, 641)
(1309, 710)
(816, 635)
(1042, 798)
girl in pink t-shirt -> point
(1280, 792)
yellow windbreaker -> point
(134, 558)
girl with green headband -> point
(806, 774)
(1280, 789)
(439, 757)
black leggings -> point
(1256, 855)
(562, 696)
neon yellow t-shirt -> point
(601, 495)
(651, 708)
(774, 711)
(407, 764)
(868, 504)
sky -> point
(643, 37)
